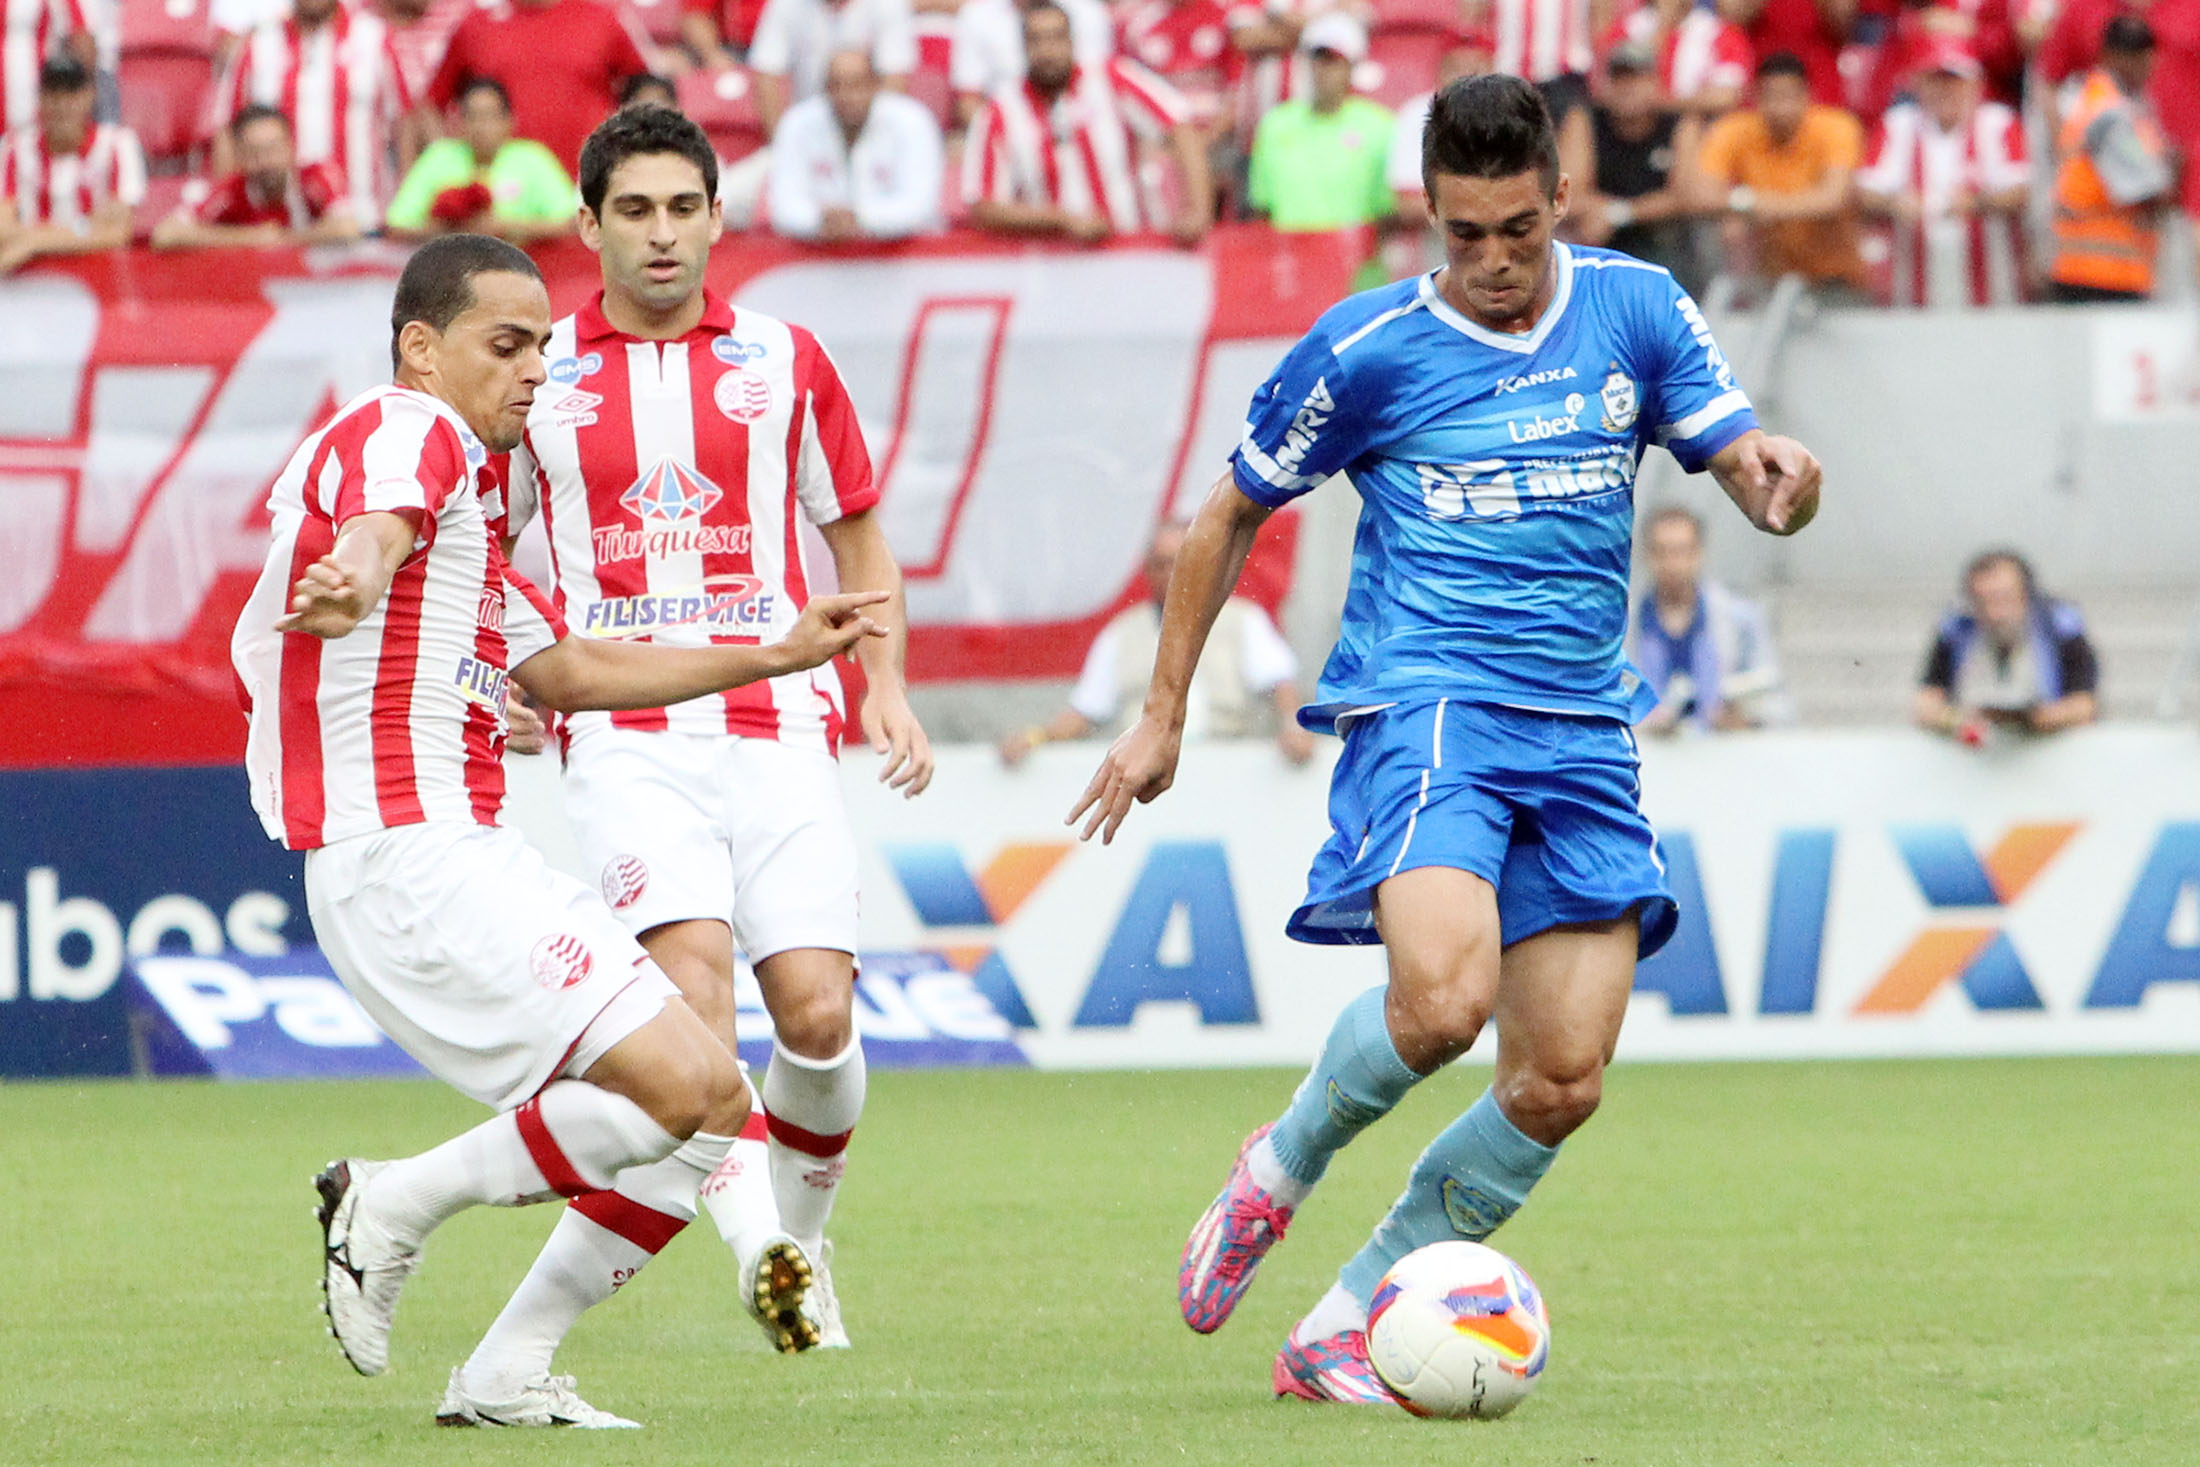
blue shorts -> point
(1543, 806)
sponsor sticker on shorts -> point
(625, 878)
(560, 960)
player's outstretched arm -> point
(1142, 763)
(342, 588)
(581, 672)
(866, 563)
(1772, 480)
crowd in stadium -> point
(1918, 152)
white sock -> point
(810, 1109)
(738, 1192)
(1336, 1313)
(570, 1139)
(601, 1242)
(1268, 1175)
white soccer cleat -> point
(545, 1401)
(823, 1305)
(775, 1279)
(362, 1270)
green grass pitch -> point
(1966, 1262)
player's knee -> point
(700, 1088)
(1439, 1021)
(816, 1023)
(1552, 1101)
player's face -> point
(488, 362)
(1497, 242)
(1676, 557)
(655, 231)
(1049, 58)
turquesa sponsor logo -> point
(738, 606)
(1535, 379)
(622, 543)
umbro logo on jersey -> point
(1535, 379)
(670, 491)
(576, 409)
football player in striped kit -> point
(674, 462)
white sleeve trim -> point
(1724, 406)
(1257, 459)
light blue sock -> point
(1473, 1176)
(1354, 1084)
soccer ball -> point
(1458, 1329)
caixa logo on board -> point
(56, 946)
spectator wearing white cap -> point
(1319, 162)
(1950, 175)
(859, 162)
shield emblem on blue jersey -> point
(1620, 407)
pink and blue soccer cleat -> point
(1226, 1246)
(1333, 1369)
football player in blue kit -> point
(1485, 825)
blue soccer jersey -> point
(1497, 473)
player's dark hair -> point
(1783, 63)
(1666, 514)
(644, 130)
(1489, 127)
(486, 84)
(2000, 555)
(64, 74)
(2127, 35)
(438, 283)
(257, 112)
(640, 82)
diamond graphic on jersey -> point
(625, 878)
(743, 395)
(560, 961)
(671, 491)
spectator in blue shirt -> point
(1705, 651)
(2012, 657)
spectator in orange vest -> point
(2115, 173)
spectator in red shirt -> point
(562, 62)
(269, 200)
(1813, 31)
(717, 29)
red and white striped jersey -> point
(1540, 40)
(402, 721)
(1076, 153)
(1946, 259)
(1186, 42)
(1702, 53)
(29, 31)
(45, 187)
(673, 478)
(340, 85)
(1276, 76)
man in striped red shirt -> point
(679, 456)
(68, 185)
(269, 200)
(333, 72)
(1059, 155)
(377, 709)
(31, 31)
(1950, 174)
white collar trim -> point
(1562, 261)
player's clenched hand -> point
(831, 625)
(1779, 479)
(892, 729)
(524, 730)
(1138, 766)
(327, 601)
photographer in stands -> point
(2012, 658)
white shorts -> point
(678, 826)
(495, 972)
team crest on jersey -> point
(566, 371)
(1620, 406)
(734, 353)
(625, 878)
(670, 491)
(742, 395)
(560, 961)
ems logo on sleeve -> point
(743, 395)
(560, 961)
(625, 878)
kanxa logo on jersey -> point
(1535, 379)
(726, 606)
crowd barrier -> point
(1032, 413)
(1843, 895)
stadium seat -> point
(1400, 64)
(165, 100)
(178, 27)
(1418, 15)
(929, 83)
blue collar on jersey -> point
(1562, 261)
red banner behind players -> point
(1032, 415)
